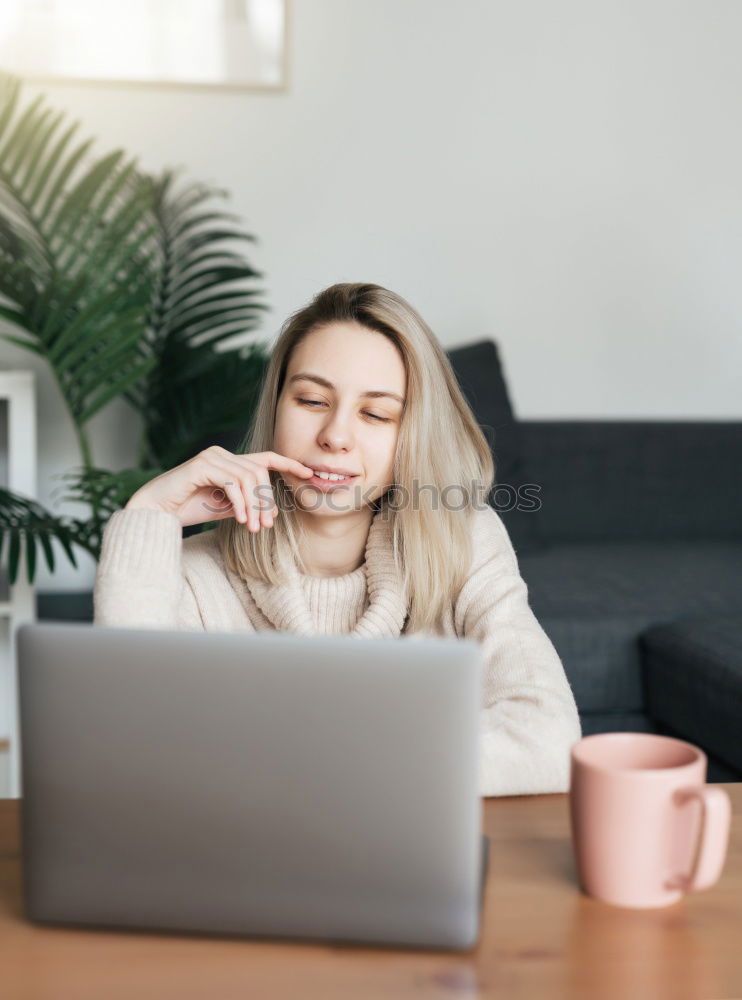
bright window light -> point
(218, 42)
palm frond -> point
(26, 526)
(200, 394)
(104, 491)
(198, 262)
(203, 296)
(76, 267)
(128, 286)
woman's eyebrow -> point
(328, 385)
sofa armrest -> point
(693, 681)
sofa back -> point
(612, 479)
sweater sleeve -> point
(139, 582)
(529, 719)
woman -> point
(404, 542)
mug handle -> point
(716, 809)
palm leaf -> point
(26, 525)
(187, 276)
(209, 394)
(104, 491)
(128, 286)
(75, 254)
(204, 295)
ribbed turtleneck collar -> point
(336, 602)
(289, 606)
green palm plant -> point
(126, 284)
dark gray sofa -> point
(639, 520)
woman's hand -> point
(216, 484)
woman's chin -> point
(326, 507)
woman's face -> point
(333, 421)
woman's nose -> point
(336, 431)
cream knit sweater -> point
(148, 576)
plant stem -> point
(85, 449)
(87, 460)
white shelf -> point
(17, 389)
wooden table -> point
(541, 938)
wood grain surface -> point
(541, 938)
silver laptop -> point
(267, 785)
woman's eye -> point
(316, 402)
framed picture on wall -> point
(189, 43)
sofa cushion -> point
(480, 375)
(593, 600)
(629, 480)
(693, 673)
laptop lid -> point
(268, 785)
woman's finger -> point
(224, 480)
(250, 476)
(264, 502)
(257, 488)
(272, 460)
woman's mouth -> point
(328, 485)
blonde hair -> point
(439, 445)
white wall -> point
(564, 177)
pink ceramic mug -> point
(639, 808)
